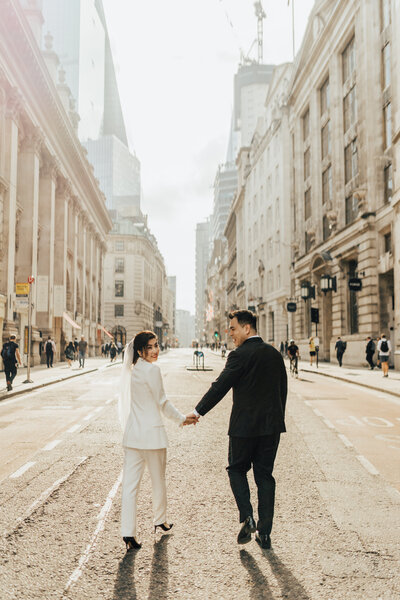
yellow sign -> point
(22, 289)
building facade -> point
(53, 216)
(345, 130)
(203, 235)
(184, 328)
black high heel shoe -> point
(164, 527)
(131, 543)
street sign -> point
(31, 279)
(22, 289)
(314, 315)
(158, 324)
(355, 284)
(291, 306)
(21, 302)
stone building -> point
(136, 293)
(53, 218)
(215, 295)
(345, 124)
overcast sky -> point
(175, 62)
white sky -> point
(175, 62)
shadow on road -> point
(158, 589)
(124, 587)
(291, 588)
(260, 588)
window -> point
(118, 310)
(387, 122)
(353, 303)
(326, 231)
(307, 204)
(324, 96)
(388, 183)
(119, 265)
(351, 209)
(326, 140)
(307, 163)
(386, 74)
(348, 60)
(308, 244)
(327, 186)
(306, 124)
(350, 109)
(387, 242)
(119, 246)
(385, 13)
(119, 289)
(350, 161)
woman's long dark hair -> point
(140, 342)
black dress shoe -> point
(247, 529)
(263, 540)
(131, 543)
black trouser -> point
(10, 369)
(49, 358)
(260, 453)
(339, 356)
(369, 360)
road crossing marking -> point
(51, 445)
(317, 412)
(100, 526)
(74, 428)
(329, 424)
(89, 416)
(22, 469)
(369, 466)
(345, 440)
(307, 402)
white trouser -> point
(134, 463)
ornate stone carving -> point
(64, 187)
(331, 215)
(311, 236)
(296, 249)
(361, 196)
(33, 140)
(49, 167)
(13, 104)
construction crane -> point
(260, 14)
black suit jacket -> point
(257, 374)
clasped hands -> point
(191, 419)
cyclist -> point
(293, 354)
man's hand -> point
(191, 419)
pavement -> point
(336, 529)
(42, 376)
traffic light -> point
(216, 334)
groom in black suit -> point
(257, 374)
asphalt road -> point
(336, 532)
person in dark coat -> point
(257, 375)
(340, 348)
(369, 352)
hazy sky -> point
(175, 62)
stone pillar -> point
(62, 196)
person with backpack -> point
(49, 348)
(369, 352)
(340, 348)
(10, 355)
(384, 350)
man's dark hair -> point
(244, 317)
(13, 337)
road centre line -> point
(345, 440)
(100, 526)
(329, 424)
(22, 469)
(51, 445)
(44, 496)
(317, 412)
(307, 402)
(89, 416)
(367, 465)
(74, 428)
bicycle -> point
(293, 367)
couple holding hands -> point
(257, 374)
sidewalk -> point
(361, 376)
(42, 376)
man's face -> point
(239, 333)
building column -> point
(62, 195)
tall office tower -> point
(203, 235)
(171, 282)
(80, 38)
(224, 191)
(185, 330)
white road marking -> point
(393, 492)
(22, 469)
(89, 416)
(308, 402)
(109, 400)
(345, 441)
(329, 424)
(317, 412)
(44, 496)
(74, 428)
(51, 445)
(369, 466)
(100, 526)
(98, 409)
(55, 407)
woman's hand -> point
(191, 419)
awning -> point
(70, 321)
(107, 332)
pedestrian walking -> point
(82, 347)
(76, 346)
(10, 355)
(384, 350)
(113, 352)
(141, 407)
(257, 374)
(340, 348)
(49, 348)
(70, 353)
(282, 348)
(369, 352)
(313, 353)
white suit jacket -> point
(145, 426)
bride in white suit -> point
(142, 405)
